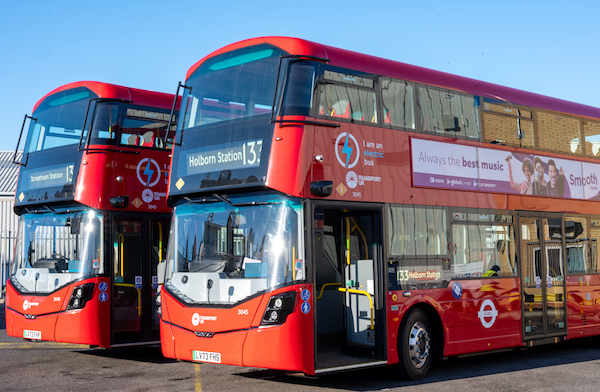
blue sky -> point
(548, 47)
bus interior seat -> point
(148, 139)
(341, 109)
(207, 266)
(133, 140)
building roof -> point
(9, 172)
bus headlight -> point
(80, 295)
(279, 307)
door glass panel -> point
(555, 276)
(531, 266)
(160, 233)
(543, 271)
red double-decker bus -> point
(94, 222)
(334, 211)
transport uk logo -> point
(28, 305)
(487, 313)
(197, 319)
(347, 151)
(148, 172)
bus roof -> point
(106, 90)
(379, 66)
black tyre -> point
(415, 346)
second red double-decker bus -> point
(333, 211)
(91, 196)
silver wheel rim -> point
(418, 345)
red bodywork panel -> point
(89, 325)
(112, 91)
(583, 306)
(143, 178)
(239, 338)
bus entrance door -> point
(543, 276)
(138, 245)
(349, 328)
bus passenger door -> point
(127, 281)
(349, 288)
(138, 246)
(542, 276)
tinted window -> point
(146, 127)
(234, 85)
(449, 113)
(298, 94)
(59, 120)
(398, 104)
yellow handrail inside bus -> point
(327, 285)
(122, 238)
(293, 263)
(348, 231)
(363, 237)
(348, 241)
(362, 292)
(159, 242)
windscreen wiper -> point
(201, 201)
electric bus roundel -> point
(148, 172)
(348, 152)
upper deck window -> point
(449, 112)
(507, 124)
(129, 125)
(398, 103)
(146, 127)
(343, 98)
(59, 119)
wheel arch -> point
(437, 326)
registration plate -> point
(205, 356)
(35, 335)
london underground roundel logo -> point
(487, 313)
(148, 172)
(348, 152)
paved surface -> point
(49, 366)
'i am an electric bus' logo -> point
(148, 172)
(348, 152)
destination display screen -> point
(52, 176)
(230, 156)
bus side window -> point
(398, 104)
(449, 113)
(348, 103)
(483, 250)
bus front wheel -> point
(415, 349)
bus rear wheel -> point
(415, 346)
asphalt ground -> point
(52, 366)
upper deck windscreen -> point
(224, 129)
(51, 157)
(58, 120)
